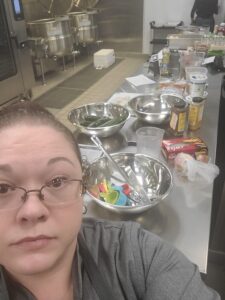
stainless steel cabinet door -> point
(11, 81)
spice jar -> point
(178, 117)
(197, 85)
(195, 114)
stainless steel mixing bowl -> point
(151, 109)
(77, 117)
(153, 175)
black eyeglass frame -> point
(39, 191)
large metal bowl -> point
(152, 175)
(150, 109)
(78, 115)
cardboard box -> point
(104, 58)
(190, 145)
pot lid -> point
(57, 7)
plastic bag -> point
(194, 177)
(194, 170)
(201, 172)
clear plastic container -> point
(198, 84)
(149, 140)
(190, 59)
(195, 70)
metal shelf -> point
(160, 33)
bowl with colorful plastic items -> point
(108, 189)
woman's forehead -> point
(36, 131)
(34, 139)
(36, 150)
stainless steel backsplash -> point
(121, 24)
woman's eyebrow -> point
(59, 158)
(6, 168)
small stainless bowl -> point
(77, 117)
(152, 175)
(151, 109)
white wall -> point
(163, 11)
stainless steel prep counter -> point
(183, 218)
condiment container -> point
(178, 118)
(195, 114)
(164, 63)
(197, 86)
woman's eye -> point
(5, 188)
(57, 182)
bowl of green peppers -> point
(99, 119)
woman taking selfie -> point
(47, 251)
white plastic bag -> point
(194, 177)
(201, 172)
(194, 170)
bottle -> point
(164, 64)
(178, 117)
(195, 114)
(216, 28)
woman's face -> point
(35, 237)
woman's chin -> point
(33, 264)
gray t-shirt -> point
(138, 265)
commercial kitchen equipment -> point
(56, 34)
(16, 74)
(85, 28)
(50, 38)
(61, 36)
(85, 3)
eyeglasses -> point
(57, 191)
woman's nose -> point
(33, 209)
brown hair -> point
(28, 112)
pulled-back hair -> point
(28, 112)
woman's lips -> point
(33, 243)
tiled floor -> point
(70, 89)
(100, 91)
(58, 76)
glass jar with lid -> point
(195, 114)
(178, 118)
